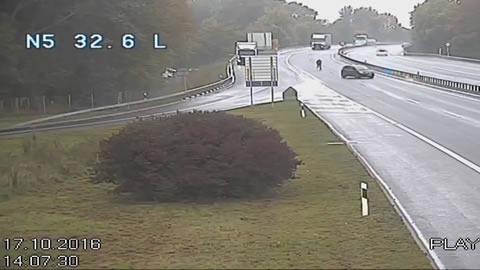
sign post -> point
(262, 71)
(271, 80)
(251, 80)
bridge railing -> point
(416, 77)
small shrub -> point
(195, 156)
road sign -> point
(261, 70)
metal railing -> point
(447, 84)
(465, 59)
(191, 93)
(202, 90)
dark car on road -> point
(357, 72)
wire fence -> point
(66, 103)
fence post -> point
(17, 105)
(44, 99)
(119, 97)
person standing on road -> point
(319, 64)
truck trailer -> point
(243, 49)
(264, 41)
(321, 41)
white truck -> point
(321, 41)
(264, 42)
(243, 49)
(360, 40)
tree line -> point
(438, 22)
(196, 31)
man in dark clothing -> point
(319, 64)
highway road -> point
(422, 142)
(430, 66)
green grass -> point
(11, 120)
(312, 222)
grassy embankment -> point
(8, 121)
(311, 222)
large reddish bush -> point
(194, 156)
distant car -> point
(357, 72)
(406, 45)
(382, 52)
(169, 73)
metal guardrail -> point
(196, 92)
(448, 84)
(465, 59)
(202, 90)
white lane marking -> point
(449, 92)
(438, 146)
(466, 119)
(432, 97)
(393, 135)
(446, 91)
(432, 64)
(396, 201)
(412, 101)
(392, 95)
(430, 69)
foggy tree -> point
(430, 25)
(66, 70)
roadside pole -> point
(364, 187)
(44, 105)
(271, 80)
(251, 81)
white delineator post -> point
(363, 188)
(303, 114)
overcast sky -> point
(328, 9)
